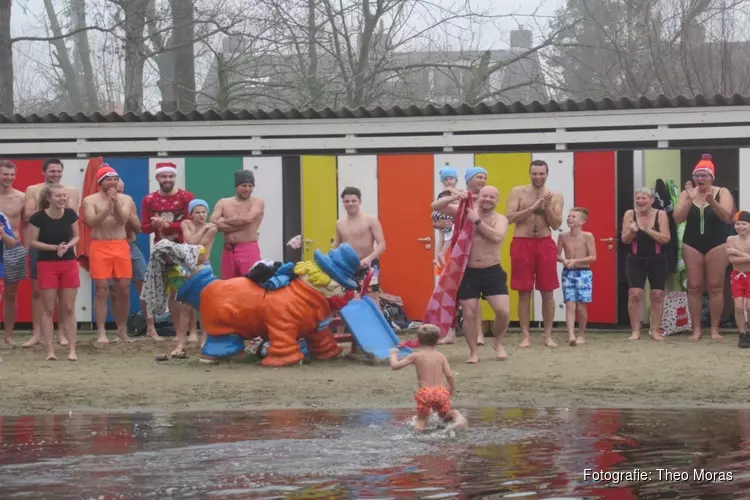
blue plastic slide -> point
(370, 329)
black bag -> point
(137, 325)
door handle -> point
(607, 240)
(425, 240)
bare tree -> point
(6, 60)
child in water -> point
(738, 251)
(579, 252)
(196, 231)
(432, 373)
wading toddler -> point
(196, 231)
(432, 374)
(576, 251)
(738, 251)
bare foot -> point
(525, 343)
(9, 341)
(580, 340)
(657, 336)
(716, 337)
(500, 352)
(123, 337)
(31, 342)
(51, 357)
(193, 337)
(62, 341)
(72, 357)
(572, 341)
(154, 335)
(102, 339)
(696, 336)
(550, 343)
(472, 360)
(635, 336)
(450, 338)
(480, 339)
(179, 352)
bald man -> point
(484, 276)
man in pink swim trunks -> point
(239, 218)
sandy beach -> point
(608, 371)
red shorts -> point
(740, 285)
(533, 260)
(57, 274)
(437, 399)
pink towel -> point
(441, 309)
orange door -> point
(405, 192)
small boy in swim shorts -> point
(433, 372)
(576, 251)
(738, 251)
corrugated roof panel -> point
(497, 108)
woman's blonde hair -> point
(45, 198)
(645, 191)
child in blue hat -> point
(441, 222)
(198, 231)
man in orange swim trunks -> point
(107, 213)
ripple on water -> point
(506, 453)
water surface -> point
(374, 454)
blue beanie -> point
(471, 172)
(447, 172)
(196, 203)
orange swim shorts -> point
(110, 259)
(437, 399)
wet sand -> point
(608, 371)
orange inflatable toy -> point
(296, 301)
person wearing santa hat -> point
(108, 213)
(706, 211)
(162, 213)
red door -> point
(405, 192)
(595, 178)
(28, 173)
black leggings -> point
(639, 269)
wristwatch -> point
(477, 222)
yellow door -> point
(505, 171)
(319, 203)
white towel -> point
(154, 292)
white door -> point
(560, 179)
(360, 172)
(73, 175)
(269, 187)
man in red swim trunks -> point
(536, 211)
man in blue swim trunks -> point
(139, 268)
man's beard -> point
(166, 186)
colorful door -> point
(28, 173)
(360, 171)
(505, 171)
(134, 173)
(212, 179)
(73, 175)
(405, 193)
(270, 188)
(560, 179)
(319, 204)
(595, 189)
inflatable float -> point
(279, 302)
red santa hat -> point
(104, 172)
(165, 168)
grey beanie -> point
(244, 177)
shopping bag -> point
(675, 317)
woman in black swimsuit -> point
(706, 211)
(646, 230)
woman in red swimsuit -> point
(707, 213)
